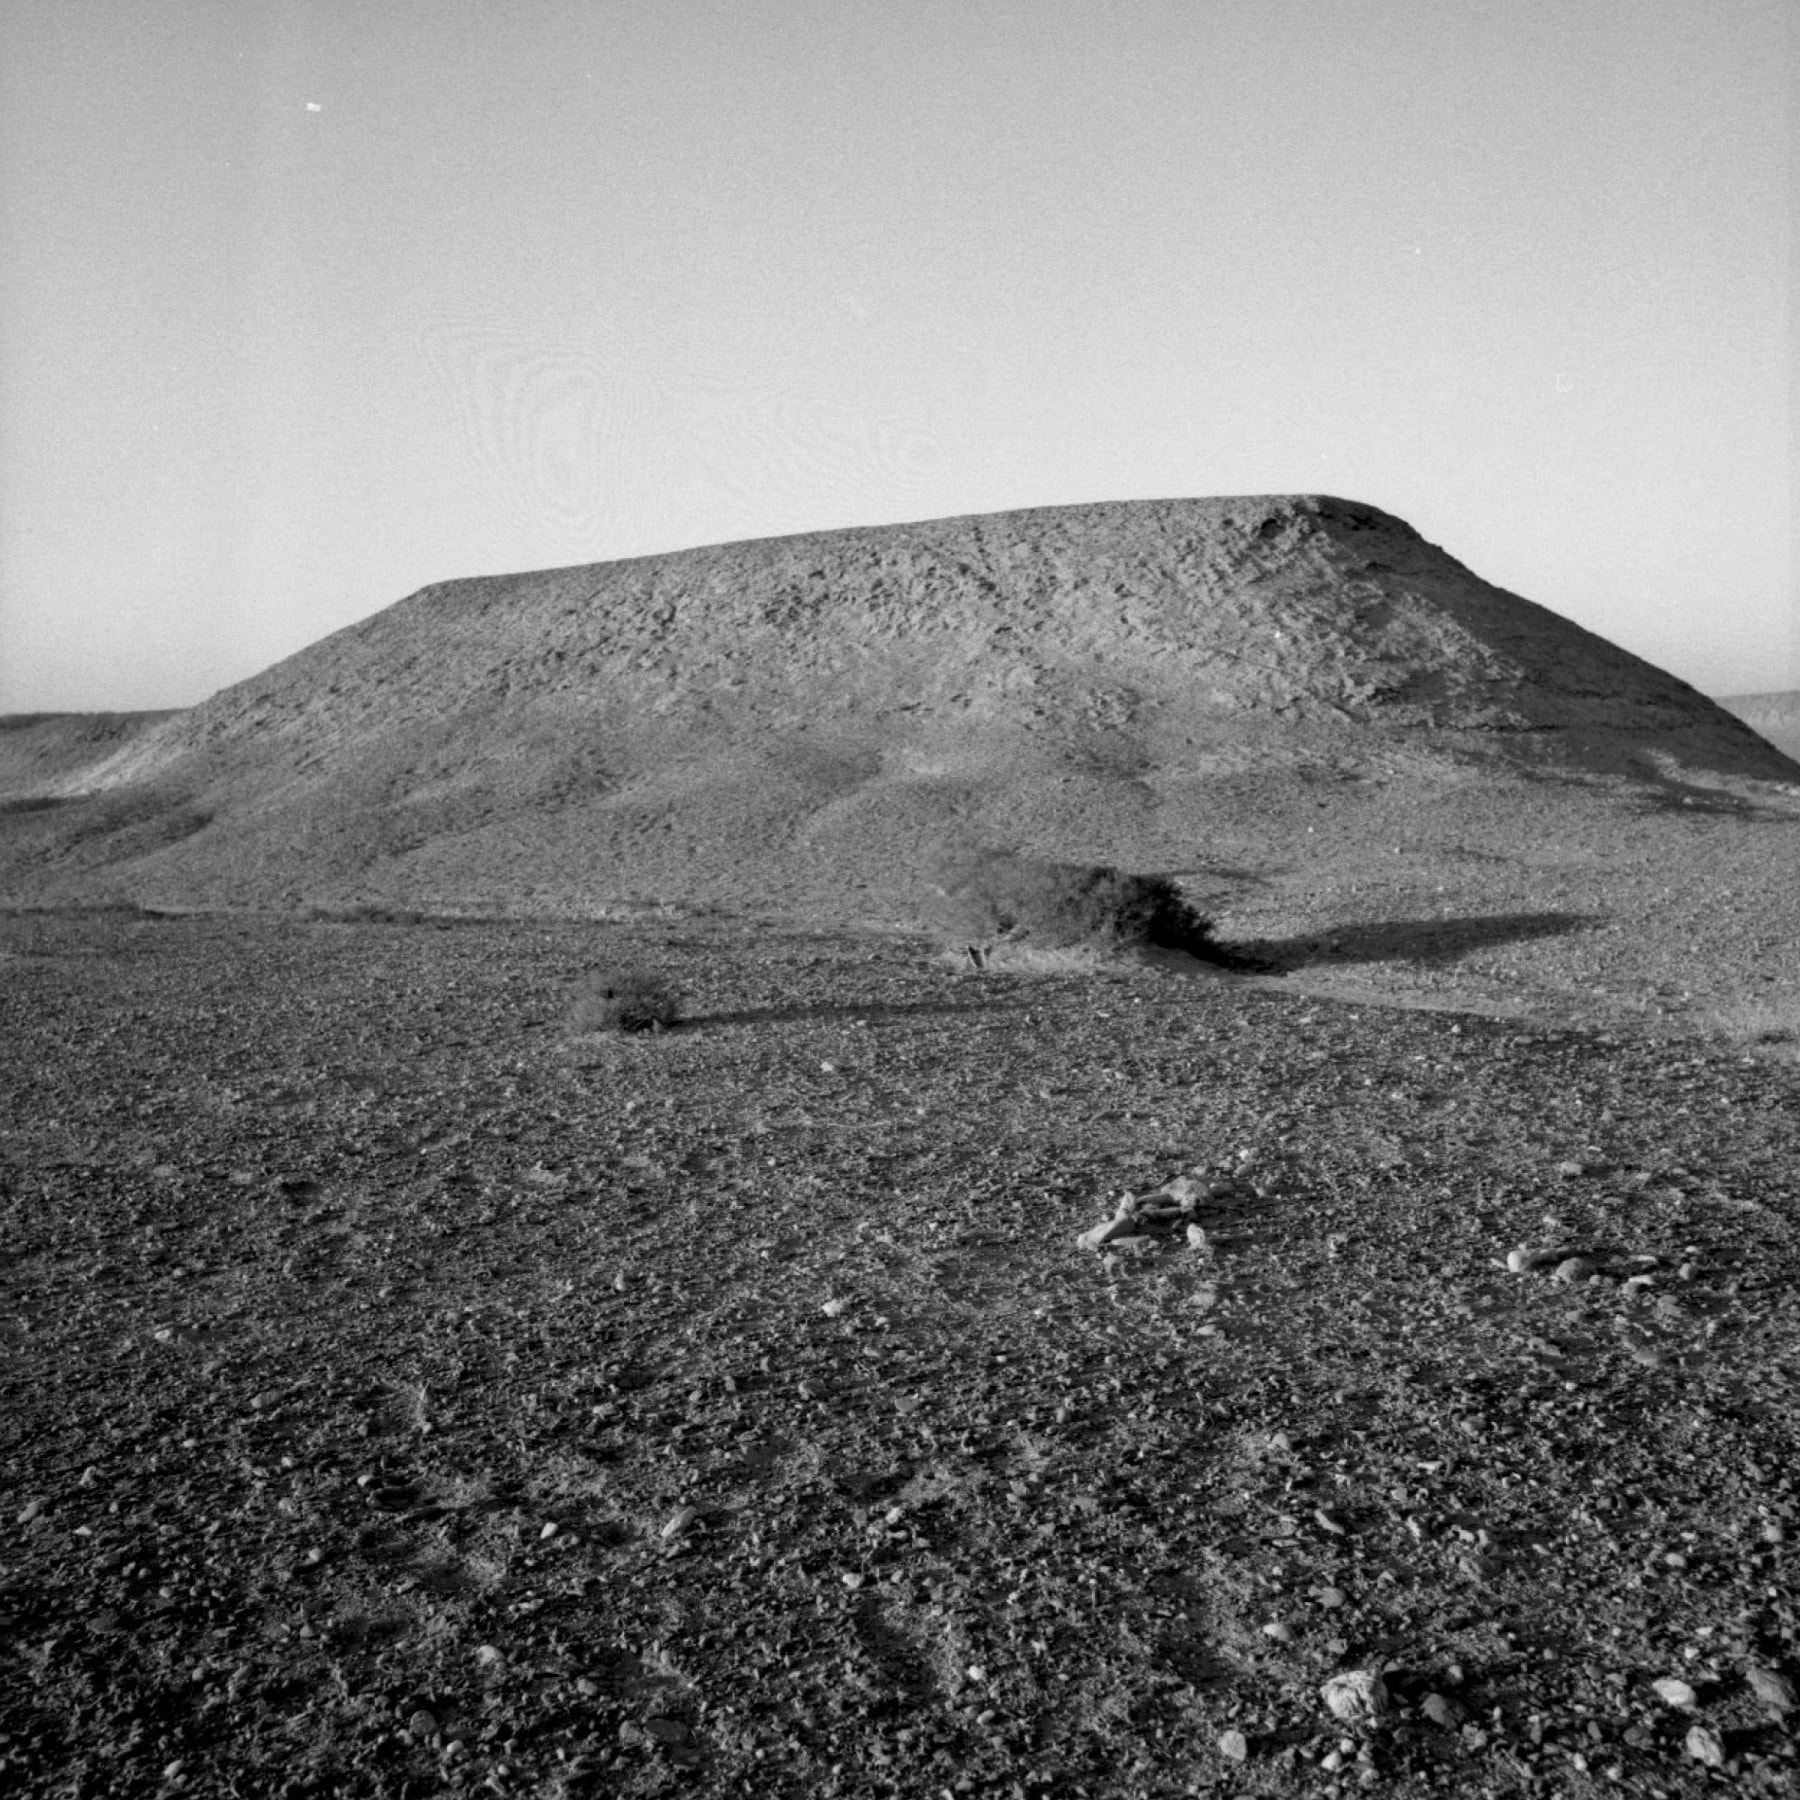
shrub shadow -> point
(772, 1015)
(1412, 940)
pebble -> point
(1706, 1746)
(1105, 1232)
(1234, 1745)
(1573, 1268)
(1440, 1709)
(1329, 1521)
(1523, 1261)
(678, 1522)
(1135, 1245)
(422, 1724)
(1357, 1696)
(835, 1309)
(1281, 1632)
(31, 1510)
(1772, 1688)
(1673, 1692)
(1331, 1596)
(1196, 1237)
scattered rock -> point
(1771, 1687)
(1440, 1709)
(1357, 1696)
(678, 1523)
(1573, 1268)
(1135, 1245)
(1234, 1746)
(1327, 1520)
(1524, 1261)
(1705, 1745)
(1107, 1232)
(1279, 1630)
(1672, 1691)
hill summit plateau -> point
(798, 719)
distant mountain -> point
(1775, 717)
(804, 717)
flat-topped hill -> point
(794, 720)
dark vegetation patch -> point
(627, 999)
(994, 894)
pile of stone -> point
(1141, 1221)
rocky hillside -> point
(801, 717)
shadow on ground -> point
(769, 1015)
(1412, 940)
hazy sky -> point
(306, 303)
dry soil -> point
(405, 1396)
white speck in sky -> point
(314, 106)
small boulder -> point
(1705, 1745)
(1440, 1709)
(1771, 1687)
(1357, 1696)
(1098, 1236)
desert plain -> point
(411, 1389)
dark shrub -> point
(624, 999)
(999, 894)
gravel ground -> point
(405, 1395)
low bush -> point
(998, 895)
(624, 999)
